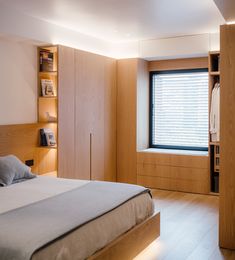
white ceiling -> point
(126, 20)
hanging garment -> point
(215, 114)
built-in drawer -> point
(173, 172)
(192, 161)
(174, 184)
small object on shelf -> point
(51, 118)
(216, 158)
(47, 88)
(47, 137)
(46, 60)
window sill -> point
(174, 151)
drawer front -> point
(174, 184)
(201, 162)
(181, 173)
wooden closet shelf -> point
(214, 73)
(48, 72)
(214, 193)
(215, 143)
(48, 147)
(52, 97)
(48, 122)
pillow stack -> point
(12, 170)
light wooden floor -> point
(189, 228)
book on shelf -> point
(47, 88)
(46, 60)
(47, 137)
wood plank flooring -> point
(189, 228)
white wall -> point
(18, 82)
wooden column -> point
(126, 120)
(227, 174)
(132, 110)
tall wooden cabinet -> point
(227, 142)
(87, 115)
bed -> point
(120, 233)
(117, 232)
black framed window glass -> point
(179, 109)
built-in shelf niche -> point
(48, 105)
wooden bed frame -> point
(22, 140)
(131, 243)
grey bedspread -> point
(25, 230)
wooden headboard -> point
(23, 141)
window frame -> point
(151, 145)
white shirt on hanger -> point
(215, 113)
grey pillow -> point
(13, 170)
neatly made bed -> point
(117, 220)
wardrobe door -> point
(97, 69)
(103, 146)
(66, 113)
(110, 120)
(95, 127)
(84, 97)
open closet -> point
(214, 120)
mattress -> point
(89, 238)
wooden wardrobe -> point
(86, 115)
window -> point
(179, 109)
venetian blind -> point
(180, 110)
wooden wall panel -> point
(23, 141)
(178, 64)
(66, 113)
(126, 120)
(173, 172)
(227, 136)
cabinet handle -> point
(90, 156)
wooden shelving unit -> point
(48, 105)
(214, 146)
